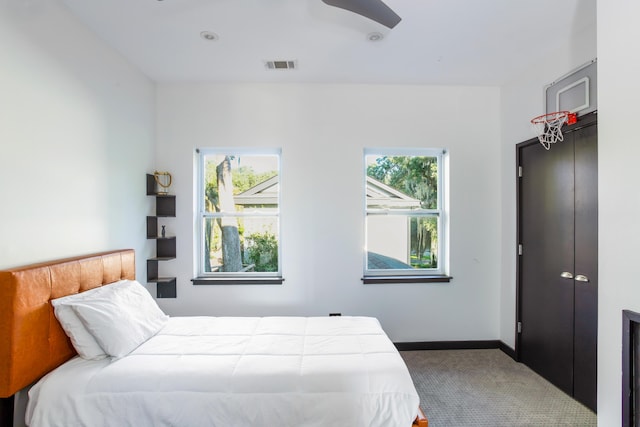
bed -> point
(188, 371)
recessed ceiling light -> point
(209, 36)
(375, 36)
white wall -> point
(322, 130)
(521, 100)
(76, 138)
(619, 194)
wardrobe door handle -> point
(566, 275)
(581, 278)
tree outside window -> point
(403, 212)
(239, 213)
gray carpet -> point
(461, 388)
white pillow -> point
(82, 340)
(121, 320)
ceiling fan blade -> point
(375, 10)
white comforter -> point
(245, 372)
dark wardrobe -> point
(557, 272)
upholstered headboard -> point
(32, 342)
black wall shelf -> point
(165, 245)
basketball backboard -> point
(575, 92)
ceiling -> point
(460, 42)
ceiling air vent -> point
(281, 65)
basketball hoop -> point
(548, 127)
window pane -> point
(241, 244)
(398, 242)
(237, 183)
(402, 182)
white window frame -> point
(439, 274)
(247, 277)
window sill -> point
(406, 279)
(237, 280)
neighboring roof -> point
(379, 195)
(376, 261)
(265, 193)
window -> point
(405, 222)
(238, 216)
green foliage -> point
(417, 177)
(428, 262)
(262, 251)
(245, 178)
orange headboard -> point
(32, 342)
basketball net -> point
(548, 127)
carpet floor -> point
(460, 388)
